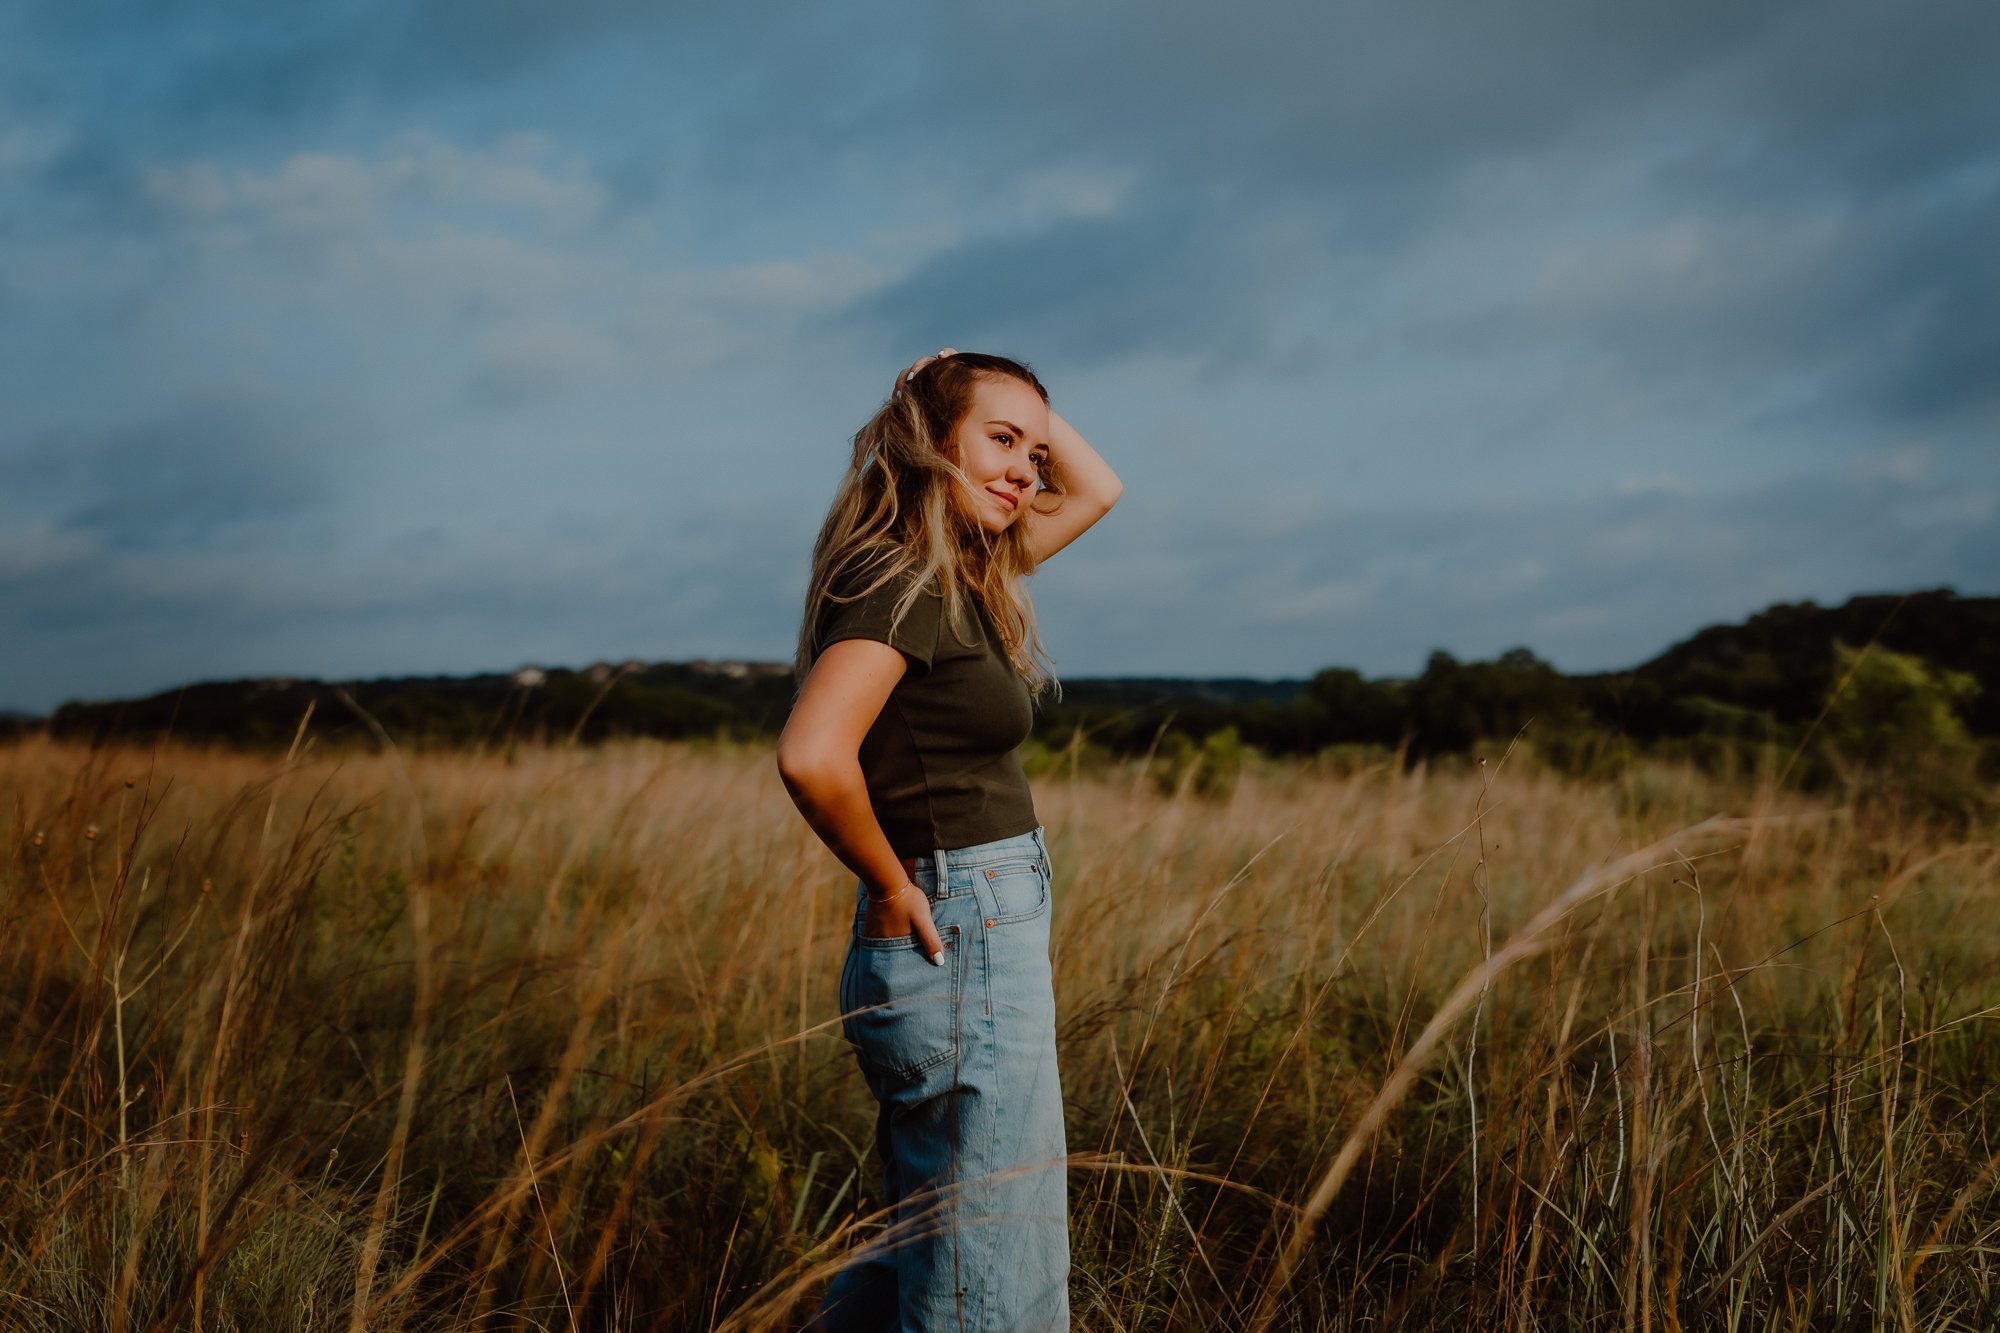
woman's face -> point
(1001, 445)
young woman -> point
(919, 662)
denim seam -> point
(887, 942)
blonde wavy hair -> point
(904, 506)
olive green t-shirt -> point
(940, 759)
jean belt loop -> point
(938, 869)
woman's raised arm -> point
(1090, 489)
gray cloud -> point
(1158, 278)
(1828, 169)
(90, 608)
(189, 481)
(1457, 251)
(1375, 120)
(234, 61)
(1937, 298)
(1262, 584)
(1283, 585)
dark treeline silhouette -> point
(670, 701)
(1778, 668)
(1930, 678)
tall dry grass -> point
(452, 1041)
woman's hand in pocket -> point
(905, 912)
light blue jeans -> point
(962, 1062)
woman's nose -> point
(1021, 471)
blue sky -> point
(347, 339)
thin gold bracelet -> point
(892, 897)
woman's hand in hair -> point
(903, 379)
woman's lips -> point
(1012, 501)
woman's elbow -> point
(794, 762)
(1103, 493)
(806, 768)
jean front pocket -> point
(898, 1010)
(1020, 889)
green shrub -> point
(1893, 729)
(1208, 767)
(1076, 756)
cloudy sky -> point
(350, 339)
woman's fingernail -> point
(937, 959)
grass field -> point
(547, 1040)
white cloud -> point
(523, 178)
(42, 548)
(549, 349)
(1658, 483)
(524, 174)
(1049, 192)
(1910, 461)
(497, 265)
(819, 282)
(1321, 604)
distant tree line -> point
(1775, 671)
(1876, 680)
(668, 701)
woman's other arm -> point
(819, 759)
(1090, 488)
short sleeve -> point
(868, 617)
